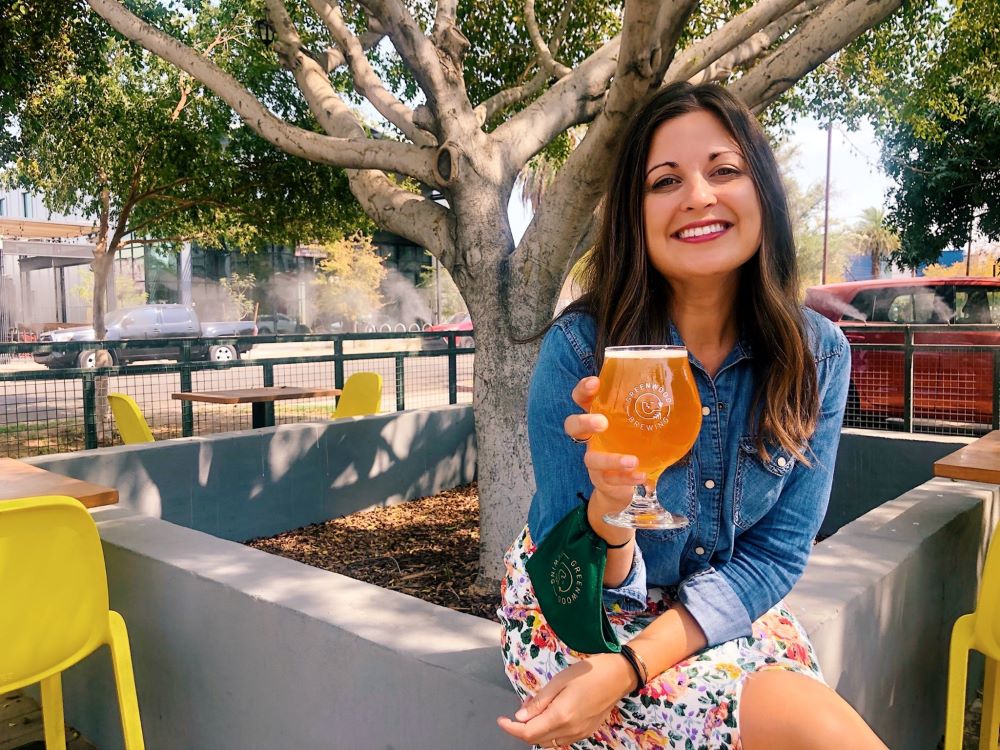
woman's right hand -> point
(613, 475)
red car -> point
(457, 322)
(948, 386)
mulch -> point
(428, 548)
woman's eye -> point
(663, 182)
(727, 171)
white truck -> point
(138, 324)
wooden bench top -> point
(978, 461)
(256, 395)
(24, 480)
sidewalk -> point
(21, 725)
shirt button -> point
(782, 461)
(706, 411)
(710, 484)
(699, 550)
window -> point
(976, 305)
(3, 206)
(29, 206)
(175, 315)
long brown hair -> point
(630, 300)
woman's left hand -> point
(574, 704)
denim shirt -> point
(752, 521)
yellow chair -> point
(132, 426)
(360, 396)
(55, 608)
(979, 631)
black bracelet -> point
(633, 659)
(610, 546)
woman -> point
(695, 249)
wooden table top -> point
(24, 480)
(978, 461)
(256, 395)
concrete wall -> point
(875, 467)
(235, 648)
(880, 596)
(241, 485)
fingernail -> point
(521, 714)
(629, 462)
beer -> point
(651, 401)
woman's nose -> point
(699, 194)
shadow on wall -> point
(251, 483)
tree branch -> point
(734, 32)
(442, 84)
(574, 99)
(547, 62)
(749, 50)
(823, 34)
(509, 97)
(366, 81)
(342, 152)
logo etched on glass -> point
(647, 406)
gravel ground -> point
(428, 548)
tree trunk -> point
(102, 265)
(503, 369)
(102, 272)
(876, 264)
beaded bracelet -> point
(638, 665)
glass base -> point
(644, 516)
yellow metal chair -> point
(360, 396)
(979, 631)
(132, 426)
(55, 608)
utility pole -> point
(826, 199)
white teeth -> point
(685, 234)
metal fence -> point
(56, 410)
(928, 379)
(939, 379)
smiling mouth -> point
(702, 231)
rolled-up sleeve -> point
(770, 556)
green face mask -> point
(567, 573)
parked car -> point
(279, 324)
(148, 322)
(950, 386)
(457, 322)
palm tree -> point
(873, 237)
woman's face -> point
(701, 214)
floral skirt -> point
(694, 705)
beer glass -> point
(651, 401)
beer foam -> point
(651, 353)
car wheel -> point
(222, 353)
(87, 359)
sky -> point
(856, 179)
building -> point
(45, 276)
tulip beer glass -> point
(651, 401)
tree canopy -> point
(472, 92)
(144, 149)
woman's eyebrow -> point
(715, 155)
(672, 164)
(711, 157)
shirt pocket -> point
(758, 480)
(676, 492)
